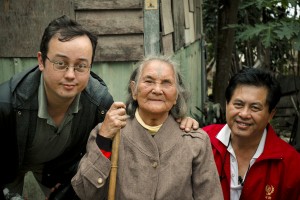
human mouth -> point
(243, 124)
(69, 86)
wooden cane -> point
(114, 167)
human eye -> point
(148, 81)
(238, 104)
(256, 108)
(81, 66)
(60, 65)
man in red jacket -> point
(252, 161)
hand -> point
(53, 191)
(114, 120)
(188, 123)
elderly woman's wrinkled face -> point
(156, 90)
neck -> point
(153, 120)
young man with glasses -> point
(47, 112)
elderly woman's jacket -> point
(171, 165)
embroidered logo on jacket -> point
(269, 190)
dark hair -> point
(179, 110)
(66, 29)
(259, 78)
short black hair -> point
(256, 77)
(66, 29)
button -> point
(154, 164)
(100, 181)
(102, 112)
(232, 175)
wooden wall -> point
(22, 23)
(286, 113)
(127, 30)
(118, 24)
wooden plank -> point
(112, 22)
(167, 44)
(166, 17)
(190, 33)
(178, 16)
(151, 32)
(120, 48)
(186, 13)
(107, 4)
(23, 22)
(198, 19)
(191, 5)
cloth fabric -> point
(18, 118)
(171, 165)
(236, 185)
(274, 175)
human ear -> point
(40, 61)
(133, 91)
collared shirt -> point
(49, 140)
(224, 137)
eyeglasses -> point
(80, 68)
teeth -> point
(243, 124)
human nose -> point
(70, 71)
(245, 112)
(157, 89)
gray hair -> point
(179, 110)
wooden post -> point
(114, 167)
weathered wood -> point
(191, 5)
(167, 44)
(284, 112)
(112, 22)
(178, 17)
(198, 19)
(23, 22)
(286, 101)
(186, 13)
(107, 4)
(151, 32)
(190, 32)
(120, 48)
(166, 17)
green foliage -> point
(270, 33)
(211, 114)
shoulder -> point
(213, 129)
(275, 145)
(23, 83)
(196, 136)
(97, 91)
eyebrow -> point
(63, 56)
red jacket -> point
(274, 175)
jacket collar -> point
(165, 139)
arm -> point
(206, 184)
(91, 180)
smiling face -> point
(156, 92)
(63, 86)
(247, 112)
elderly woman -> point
(157, 160)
